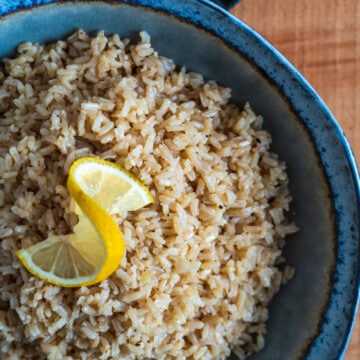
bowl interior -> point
(297, 312)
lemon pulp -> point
(94, 250)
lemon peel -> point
(99, 189)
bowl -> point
(312, 316)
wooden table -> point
(322, 39)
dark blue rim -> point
(226, 4)
(229, 28)
(7, 7)
(284, 63)
(287, 67)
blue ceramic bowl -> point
(311, 318)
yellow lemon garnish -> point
(94, 250)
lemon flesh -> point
(94, 250)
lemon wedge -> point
(94, 250)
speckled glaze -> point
(311, 318)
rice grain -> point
(201, 263)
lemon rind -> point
(108, 229)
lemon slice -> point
(94, 250)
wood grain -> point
(322, 39)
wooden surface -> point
(322, 39)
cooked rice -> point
(202, 262)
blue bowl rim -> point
(305, 86)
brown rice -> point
(202, 262)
